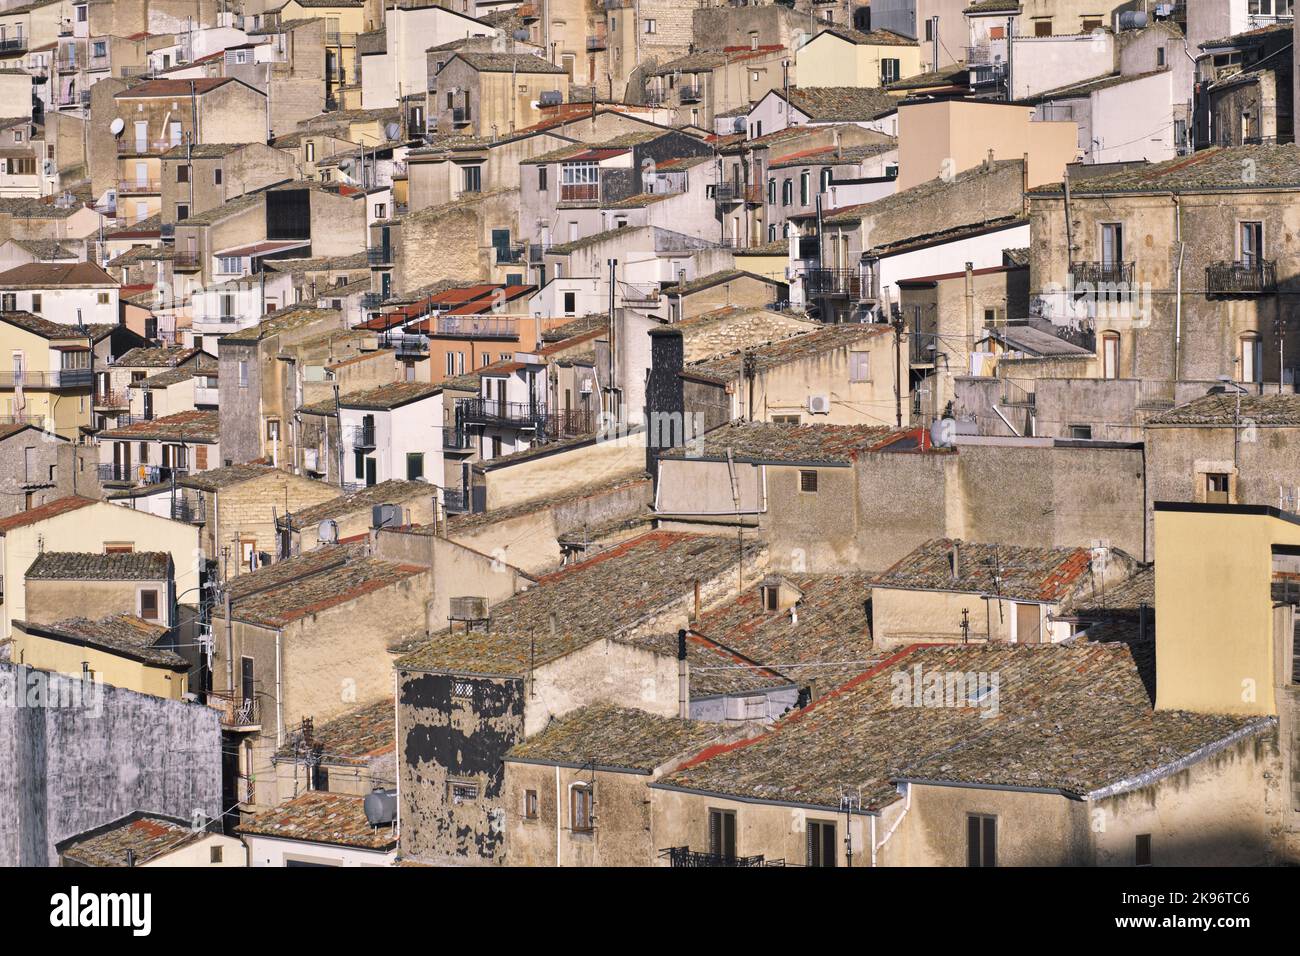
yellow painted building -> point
(122, 650)
(48, 379)
(844, 57)
(1223, 645)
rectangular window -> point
(473, 179)
(1142, 849)
(182, 173)
(580, 807)
(463, 791)
(214, 854)
(1216, 489)
(1042, 28)
(890, 70)
(182, 211)
(981, 840)
(821, 843)
(243, 373)
(530, 804)
(859, 366)
(414, 465)
(722, 834)
(1251, 242)
(570, 303)
(102, 298)
(149, 604)
(216, 177)
(541, 178)
(1081, 432)
(651, 26)
(36, 302)
(359, 463)
(808, 481)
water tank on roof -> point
(1132, 20)
(381, 807)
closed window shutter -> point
(972, 841)
(813, 847)
(990, 841)
(715, 834)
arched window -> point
(787, 192)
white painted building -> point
(393, 432)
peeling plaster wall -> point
(68, 769)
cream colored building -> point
(843, 57)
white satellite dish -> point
(345, 165)
(392, 130)
(117, 126)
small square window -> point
(808, 481)
(463, 791)
(214, 854)
(149, 604)
(1216, 488)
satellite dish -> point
(345, 165)
(117, 126)
(392, 131)
(327, 532)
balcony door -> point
(141, 136)
(1252, 244)
(1112, 245)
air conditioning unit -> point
(385, 516)
(819, 404)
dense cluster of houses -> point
(660, 433)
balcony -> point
(118, 473)
(1017, 395)
(144, 147)
(833, 283)
(1099, 274)
(653, 98)
(684, 856)
(510, 255)
(580, 192)
(1256, 277)
(572, 423)
(363, 436)
(237, 713)
(370, 301)
(189, 511)
(336, 38)
(206, 395)
(738, 192)
(186, 261)
(689, 94)
(639, 296)
(127, 187)
(113, 399)
(477, 327)
(64, 378)
(13, 45)
(454, 501)
(455, 439)
(380, 255)
(595, 43)
(407, 345)
(460, 116)
(490, 411)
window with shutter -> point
(821, 843)
(981, 840)
(722, 833)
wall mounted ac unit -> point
(819, 404)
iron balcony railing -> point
(571, 423)
(737, 192)
(684, 856)
(455, 501)
(379, 255)
(510, 254)
(363, 436)
(183, 509)
(405, 344)
(237, 712)
(129, 186)
(477, 326)
(336, 38)
(64, 378)
(490, 411)
(832, 283)
(1013, 393)
(653, 97)
(142, 474)
(117, 398)
(595, 43)
(186, 261)
(1241, 278)
(371, 300)
(689, 94)
(455, 439)
(136, 147)
(13, 43)
(1102, 273)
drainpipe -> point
(907, 805)
(557, 814)
(683, 678)
(396, 736)
(279, 697)
(1178, 290)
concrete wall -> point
(121, 747)
(544, 475)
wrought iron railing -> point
(141, 474)
(832, 282)
(490, 411)
(477, 326)
(363, 436)
(236, 710)
(455, 439)
(1241, 278)
(738, 192)
(1102, 273)
(580, 192)
(684, 856)
(128, 186)
(379, 255)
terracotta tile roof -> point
(509, 62)
(1029, 574)
(94, 566)
(469, 521)
(121, 634)
(390, 396)
(145, 836)
(217, 478)
(190, 425)
(391, 492)
(1209, 170)
(1222, 410)
(352, 739)
(200, 85)
(337, 819)
(604, 596)
(615, 738)
(1075, 719)
(1122, 600)
(794, 348)
(47, 329)
(842, 104)
(766, 442)
(50, 509)
(289, 590)
(155, 356)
